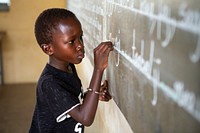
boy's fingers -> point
(104, 46)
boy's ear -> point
(47, 48)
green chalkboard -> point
(154, 70)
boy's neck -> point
(61, 66)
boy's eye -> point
(71, 42)
(80, 38)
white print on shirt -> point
(78, 128)
(80, 97)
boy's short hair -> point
(47, 22)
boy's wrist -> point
(98, 70)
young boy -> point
(59, 107)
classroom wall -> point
(23, 60)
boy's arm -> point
(85, 113)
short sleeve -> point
(59, 100)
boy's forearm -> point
(90, 103)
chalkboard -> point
(154, 70)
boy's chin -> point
(78, 62)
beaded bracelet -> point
(96, 92)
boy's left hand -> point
(104, 93)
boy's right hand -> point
(101, 53)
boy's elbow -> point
(87, 122)
(84, 117)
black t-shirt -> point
(58, 92)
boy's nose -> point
(79, 46)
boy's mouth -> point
(81, 55)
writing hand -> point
(101, 53)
